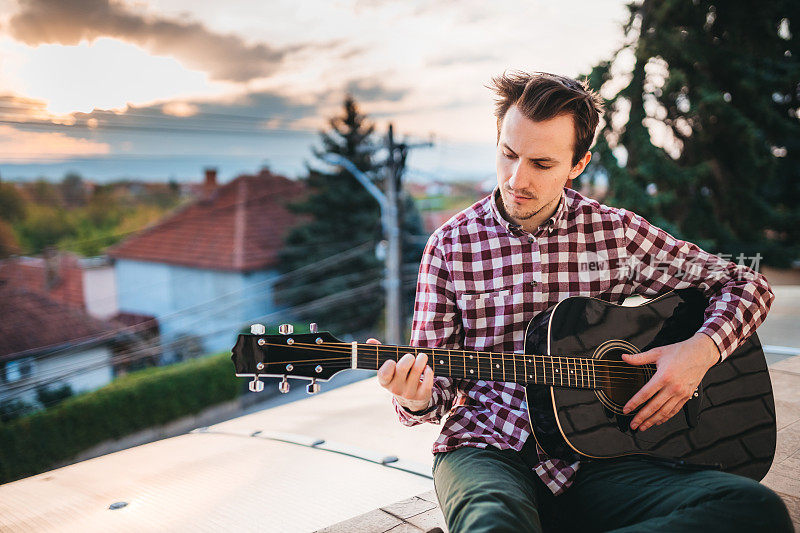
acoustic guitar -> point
(575, 381)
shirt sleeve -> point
(739, 297)
(436, 324)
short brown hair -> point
(542, 96)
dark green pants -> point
(495, 490)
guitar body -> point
(729, 424)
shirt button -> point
(530, 238)
(534, 283)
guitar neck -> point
(573, 372)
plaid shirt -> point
(483, 278)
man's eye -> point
(510, 156)
(538, 165)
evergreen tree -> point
(339, 214)
(703, 138)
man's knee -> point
(482, 490)
(765, 504)
(492, 510)
(750, 501)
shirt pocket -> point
(495, 320)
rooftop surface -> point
(313, 464)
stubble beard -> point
(515, 213)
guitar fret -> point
(583, 382)
(554, 370)
(449, 363)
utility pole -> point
(393, 256)
(390, 219)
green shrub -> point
(150, 397)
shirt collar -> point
(551, 225)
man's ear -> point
(580, 166)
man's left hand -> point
(680, 368)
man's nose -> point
(517, 180)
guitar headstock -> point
(314, 356)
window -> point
(18, 369)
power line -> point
(151, 350)
(29, 124)
(148, 351)
(299, 273)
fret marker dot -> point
(441, 361)
(470, 357)
(497, 366)
(470, 371)
(556, 370)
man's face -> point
(534, 162)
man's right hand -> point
(402, 378)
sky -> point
(161, 89)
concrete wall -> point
(100, 292)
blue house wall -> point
(212, 305)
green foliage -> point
(12, 205)
(66, 216)
(52, 396)
(44, 226)
(707, 120)
(151, 397)
(13, 409)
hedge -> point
(150, 397)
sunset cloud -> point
(225, 57)
(20, 146)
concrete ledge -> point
(210, 415)
(413, 515)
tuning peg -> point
(283, 386)
(285, 329)
(256, 385)
(258, 329)
(313, 387)
(313, 327)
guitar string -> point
(610, 366)
(604, 367)
(631, 374)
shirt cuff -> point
(419, 413)
(721, 333)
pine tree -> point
(710, 147)
(339, 214)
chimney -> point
(211, 181)
(52, 267)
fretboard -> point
(574, 372)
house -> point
(46, 343)
(86, 283)
(206, 270)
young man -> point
(492, 267)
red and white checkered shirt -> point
(483, 278)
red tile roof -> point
(34, 323)
(66, 276)
(239, 227)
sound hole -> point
(618, 380)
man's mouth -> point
(520, 198)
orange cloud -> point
(19, 146)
